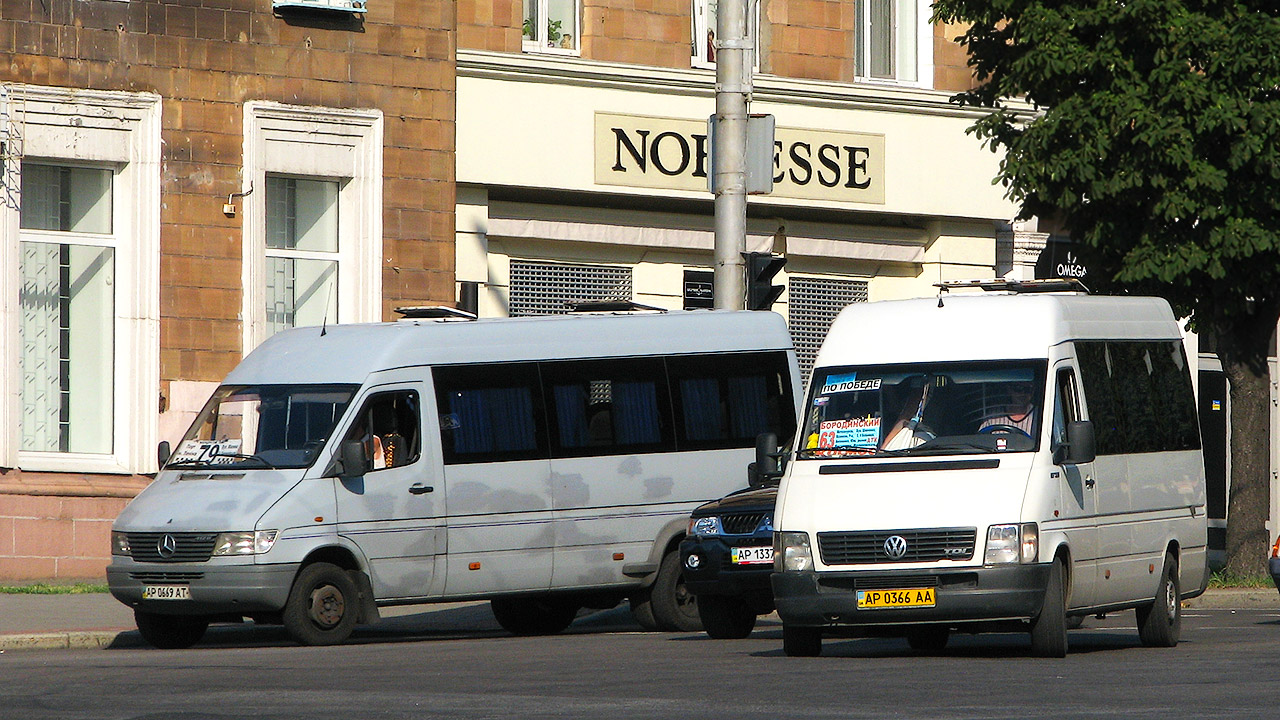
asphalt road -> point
(1227, 666)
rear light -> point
(1275, 549)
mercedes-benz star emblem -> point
(895, 547)
(167, 546)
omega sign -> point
(671, 154)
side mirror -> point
(163, 453)
(1079, 447)
(354, 461)
(768, 465)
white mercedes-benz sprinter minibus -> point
(545, 464)
(997, 460)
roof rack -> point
(1016, 286)
(603, 306)
(434, 312)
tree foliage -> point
(1156, 141)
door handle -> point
(1088, 482)
(420, 489)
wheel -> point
(1049, 629)
(801, 641)
(726, 617)
(642, 609)
(675, 609)
(532, 615)
(1004, 429)
(928, 638)
(170, 632)
(323, 605)
(1160, 623)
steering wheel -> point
(1004, 429)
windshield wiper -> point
(185, 463)
(239, 456)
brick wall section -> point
(950, 62)
(490, 24)
(207, 59)
(652, 32)
(811, 39)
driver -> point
(1018, 413)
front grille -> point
(867, 548)
(741, 523)
(188, 547)
(166, 577)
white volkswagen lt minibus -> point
(545, 464)
(997, 460)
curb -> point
(71, 640)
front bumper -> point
(216, 589)
(963, 595)
(717, 575)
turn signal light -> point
(473, 566)
(1275, 549)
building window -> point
(302, 252)
(551, 25)
(320, 175)
(80, 245)
(812, 305)
(704, 16)
(892, 41)
(67, 271)
(550, 288)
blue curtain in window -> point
(700, 399)
(571, 415)
(635, 406)
(473, 434)
(511, 413)
(748, 412)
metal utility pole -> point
(729, 151)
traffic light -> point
(761, 267)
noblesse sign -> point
(671, 154)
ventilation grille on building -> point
(812, 305)
(547, 288)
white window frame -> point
(922, 34)
(342, 145)
(700, 18)
(89, 128)
(540, 43)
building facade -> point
(181, 179)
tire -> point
(801, 641)
(642, 609)
(726, 617)
(1160, 623)
(533, 615)
(1049, 629)
(675, 609)
(170, 632)
(928, 638)
(323, 605)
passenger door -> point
(395, 511)
(1078, 498)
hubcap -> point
(327, 606)
(1171, 599)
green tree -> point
(1156, 141)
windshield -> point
(923, 409)
(271, 426)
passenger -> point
(907, 431)
(1018, 413)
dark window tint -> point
(1139, 396)
(388, 428)
(490, 413)
(601, 407)
(725, 401)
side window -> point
(725, 401)
(390, 429)
(490, 413)
(1066, 405)
(1139, 396)
(604, 407)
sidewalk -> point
(98, 620)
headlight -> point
(704, 526)
(791, 552)
(119, 543)
(244, 543)
(1012, 544)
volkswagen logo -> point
(895, 547)
(167, 546)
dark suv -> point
(727, 557)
